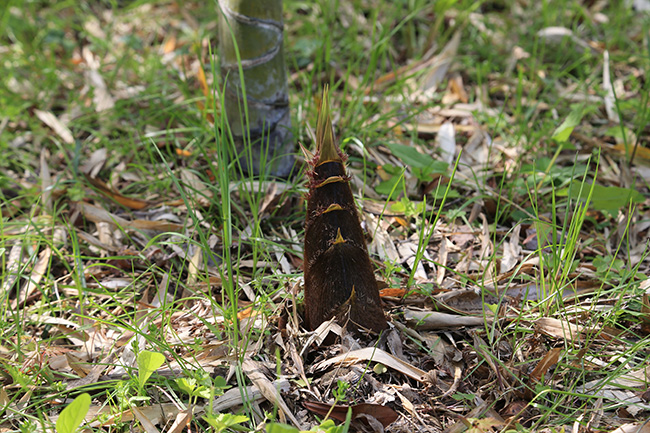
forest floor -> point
(498, 153)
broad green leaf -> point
(187, 385)
(442, 6)
(225, 421)
(463, 396)
(398, 207)
(391, 169)
(393, 185)
(204, 392)
(220, 382)
(190, 386)
(387, 186)
(71, 417)
(148, 362)
(410, 156)
(280, 428)
(407, 207)
(424, 174)
(563, 131)
(604, 198)
(328, 426)
(621, 134)
(421, 164)
(604, 264)
(439, 193)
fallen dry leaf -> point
(550, 359)
(267, 388)
(57, 126)
(39, 269)
(633, 428)
(430, 320)
(144, 420)
(182, 420)
(384, 414)
(103, 188)
(446, 141)
(376, 355)
(97, 214)
(46, 182)
(393, 292)
(233, 397)
(559, 328)
(438, 66)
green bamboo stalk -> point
(251, 32)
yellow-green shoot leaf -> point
(226, 421)
(148, 362)
(379, 368)
(72, 416)
(411, 157)
(563, 131)
(604, 198)
(281, 428)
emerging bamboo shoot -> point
(339, 279)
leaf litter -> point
(478, 347)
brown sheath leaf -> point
(384, 414)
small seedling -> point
(224, 421)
